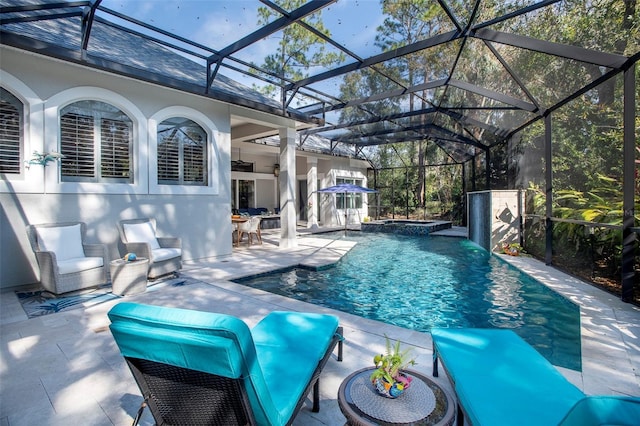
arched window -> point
(96, 140)
(11, 133)
(182, 153)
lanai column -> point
(288, 188)
(312, 192)
(629, 155)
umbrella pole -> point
(346, 214)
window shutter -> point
(181, 153)
(193, 163)
(169, 160)
(10, 138)
(115, 152)
(76, 144)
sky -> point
(219, 23)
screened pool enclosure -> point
(441, 97)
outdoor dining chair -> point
(251, 227)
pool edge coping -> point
(603, 317)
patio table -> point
(424, 403)
(128, 278)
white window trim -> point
(336, 174)
(354, 175)
(213, 162)
(29, 180)
(52, 109)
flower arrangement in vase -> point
(389, 377)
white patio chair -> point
(66, 263)
(251, 228)
(164, 253)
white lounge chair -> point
(164, 253)
(66, 262)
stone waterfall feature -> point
(494, 218)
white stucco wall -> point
(505, 218)
(494, 218)
(197, 214)
(330, 171)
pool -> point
(435, 281)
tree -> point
(407, 22)
(587, 133)
(298, 49)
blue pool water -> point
(424, 282)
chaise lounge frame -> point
(178, 395)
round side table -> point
(428, 404)
(129, 278)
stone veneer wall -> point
(494, 218)
(404, 227)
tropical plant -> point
(590, 225)
(390, 365)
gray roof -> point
(141, 53)
(315, 143)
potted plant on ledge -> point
(389, 377)
(513, 249)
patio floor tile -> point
(65, 368)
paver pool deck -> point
(65, 368)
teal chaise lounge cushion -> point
(275, 361)
(499, 379)
(289, 359)
(604, 411)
